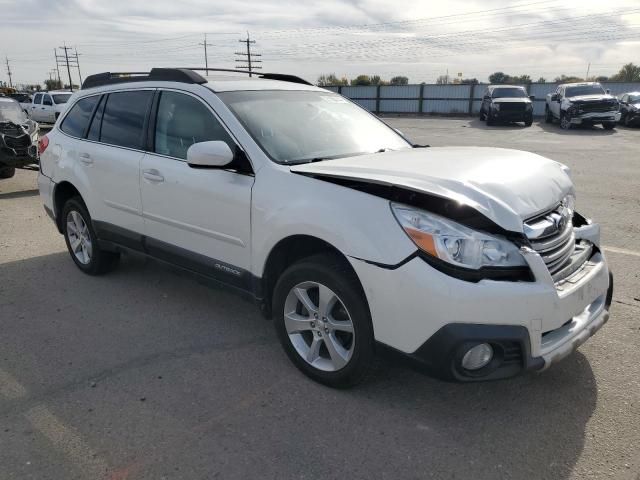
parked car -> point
(506, 103)
(18, 138)
(585, 103)
(46, 107)
(470, 260)
(630, 108)
(25, 100)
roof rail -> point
(181, 75)
(283, 77)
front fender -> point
(358, 224)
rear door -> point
(196, 217)
(111, 157)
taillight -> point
(43, 143)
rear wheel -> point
(7, 172)
(322, 319)
(82, 241)
(609, 125)
(548, 116)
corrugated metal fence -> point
(447, 99)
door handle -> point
(85, 158)
(153, 175)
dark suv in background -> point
(630, 108)
(506, 103)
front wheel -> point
(609, 125)
(82, 241)
(322, 319)
(482, 115)
(565, 121)
(7, 172)
(529, 121)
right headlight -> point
(456, 244)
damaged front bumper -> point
(18, 144)
(595, 117)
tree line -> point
(628, 73)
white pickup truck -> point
(585, 103)
(46, 107)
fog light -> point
(477, 357)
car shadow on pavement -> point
(73, 328)
(19, 194)
(475, 122)
(576, 129)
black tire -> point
(627, 123)
(490, 121)
(565, 125)
(7, 172)
(100, 261)
(548, 116)
(482, 116)
(609, 125)
(529, 121)
(333, 272)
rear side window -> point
(124, 118)
(96, 123)
(182, 121)
(38, 99)
(76, 122)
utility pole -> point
(206, 59)
(250, 62)
(9, 72)
(78, 64)
(55, 53)
(588, 68)
(68, 61)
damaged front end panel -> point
(18, 143)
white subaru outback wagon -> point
(472, 261)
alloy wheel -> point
(319, 326)
(79, 237)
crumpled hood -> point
(591, 98)
(507, 186)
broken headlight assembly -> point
(459, 250)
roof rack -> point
(182, 75)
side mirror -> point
(209, 154)
(532, 97)
(554, 97)
(608, 91)
(486, 97)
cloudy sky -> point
(347, 37)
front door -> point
(196, 217)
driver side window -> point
(182, 121)
(46, 100)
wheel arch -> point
(285, 253)
(62, 192)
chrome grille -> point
(552, 236)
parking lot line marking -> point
(68, 442)
(9, 387)
(623, 251)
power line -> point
(248, 60)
